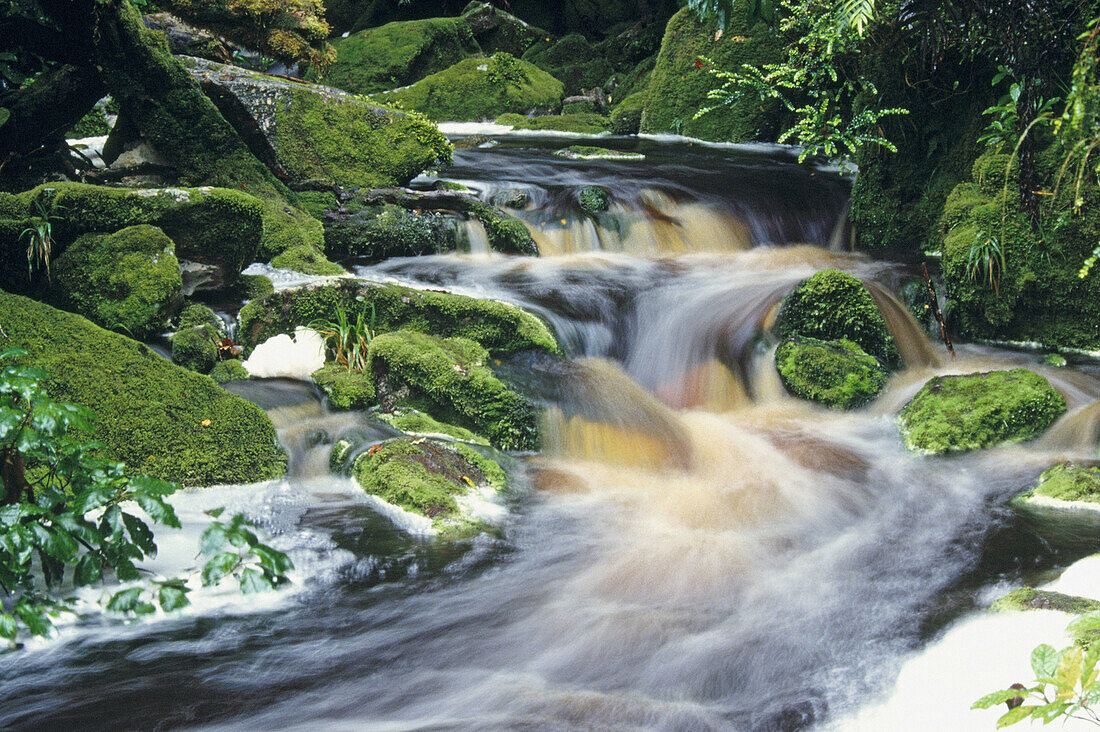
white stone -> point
(283, 356)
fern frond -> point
(855, 14)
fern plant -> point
(986, 261)
(39, 235)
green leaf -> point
(1044, 660)
(1069, 668)
(272, 560)
(126, 600)
(172, 598)
(213, 539)
(997, 697)
(219, 566)
(126, 571)
(34, 617)
(253, 580)
(158, 510)
(140, 534)
(1012, 716)
(8, 626)
(88, 569)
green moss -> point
(626, 117)
(253, 287)
(971, 412)
(594, 199)
(583, 105)
(230, 370)
(499, 327)
(581, 123)
(412, 422)
(589, 152)
(150, 414)
(572, 60)
(833, 305)
(316, 203)
(397, 54)
(1029, 599)
(344, 389)
(209, 225)
(425, 477)
(127, 281)
(1067, 482)
(495, 30)
(1037, 296)
(506, 234)
(384, 230)
(93, 124)
(678, 87)
(195, 348)
(197, 315)
(452, 373)
(839, 375)
(480, 88)
(354, 145)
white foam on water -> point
(283, 356)
(1080, 578)
(407, 521)
(286, 279)
(482, 505)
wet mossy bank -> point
(159, 419)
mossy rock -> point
(231, 370)
(480, 88)
(838, 374)
(626, 117)
(975, 411)
(427, 478)
(397, 54)
(495, 30)
(93, 124)
(198, 315)
(679, 86)
(195, 348)
(317, 133)
(451, 373)
(249, 287)
(213, 226)
(344, 389)
(574, 61)
(499, 327)
(581, 123)
(594, 199)
(1064, 506)
(159, 419)
(589, 152)
(413, 422)
(833, 305)
(385, 230)
(127, 281)
(1028, 599)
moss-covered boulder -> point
(574, 61)
(313, 132)
(974, 411)
(681, 81)
(589, 152)
(594, 199)
(480, 88)
(837, 374)
(128, 281)
(397, 54)
(432, 480)
(195, 344)
(451, 375)
(833, 305)
(414, 422)
(499, 327)
(344, 389)
(1064, 504)
(581, 123)
(495, 30)
(159, 419)
(1032, 291)
(1027, 598)
(212, 226)
(385, 230)
(226, 371)
(626, 117)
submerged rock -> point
(833, 305)
(587, 152)
(450, 486)
(312, 132)
(594, 199)
(159, 419)
(480, 88)
(974, 411)
(837, 374)
(128, 281)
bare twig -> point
(936, 310)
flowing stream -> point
(693, 550)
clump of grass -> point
(348, 340)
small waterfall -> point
(913, 343)
(1077, 431)
(476, 239)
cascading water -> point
(693, 550)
